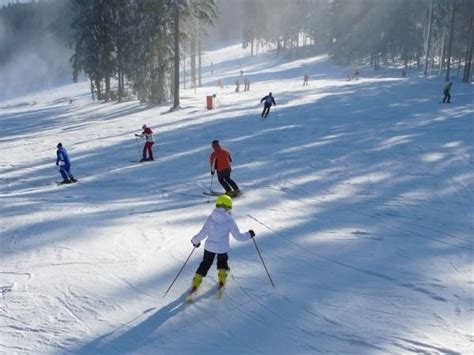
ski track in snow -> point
(360, 192)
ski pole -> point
(169, 288)
(260, 255)
(276, 113)
(138, 148)
(212, 179)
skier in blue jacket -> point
(64, 162)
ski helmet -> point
(224, 201)
(144, 126)
(60, 145)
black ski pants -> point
(266, 110)
(447, 96)
(224, 179)
(207, 261)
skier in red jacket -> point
(221, 160)
(149, 141)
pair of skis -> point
(212, 193)
(192, 295)
(60, 183)
(216, 193)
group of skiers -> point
(217, 227)
(220, 223)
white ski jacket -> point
(217, 228)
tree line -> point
(130, 48)
(436, 35)
(137, 43)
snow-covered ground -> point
(360, 192)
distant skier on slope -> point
(246, 84)
(62, 160)
(221, 160)
(305, 79)
(216, 229)
(269, 101)
(149, 141)
(447, 93)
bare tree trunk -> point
(171, 83)
(176, 59)
(432, 59)
(199, 56)
(427, 51)
(184, 68)
(441, 56)
(98, 88)
(119, 89)
(468, 58)
(193, 61)
(92, 89)
(453, 13)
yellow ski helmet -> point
(224, 201)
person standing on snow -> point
(216, 229)
(305, 79)
(246, 84)
(149, 141)
(447, 92)
(269, 101)
(221, 160)
(62, 160)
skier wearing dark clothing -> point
(221, 160)
(269, 101)
(62, 160)
(447, 93)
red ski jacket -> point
(220, 159)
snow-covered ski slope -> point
(360, 193)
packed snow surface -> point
(360, 193)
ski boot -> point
(197, 280)
(222, 275)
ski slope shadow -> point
(131, 337)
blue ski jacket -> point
(62, 156)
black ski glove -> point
(252, 233)
(196, 245)
(213, 172)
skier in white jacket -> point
(216, 229)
